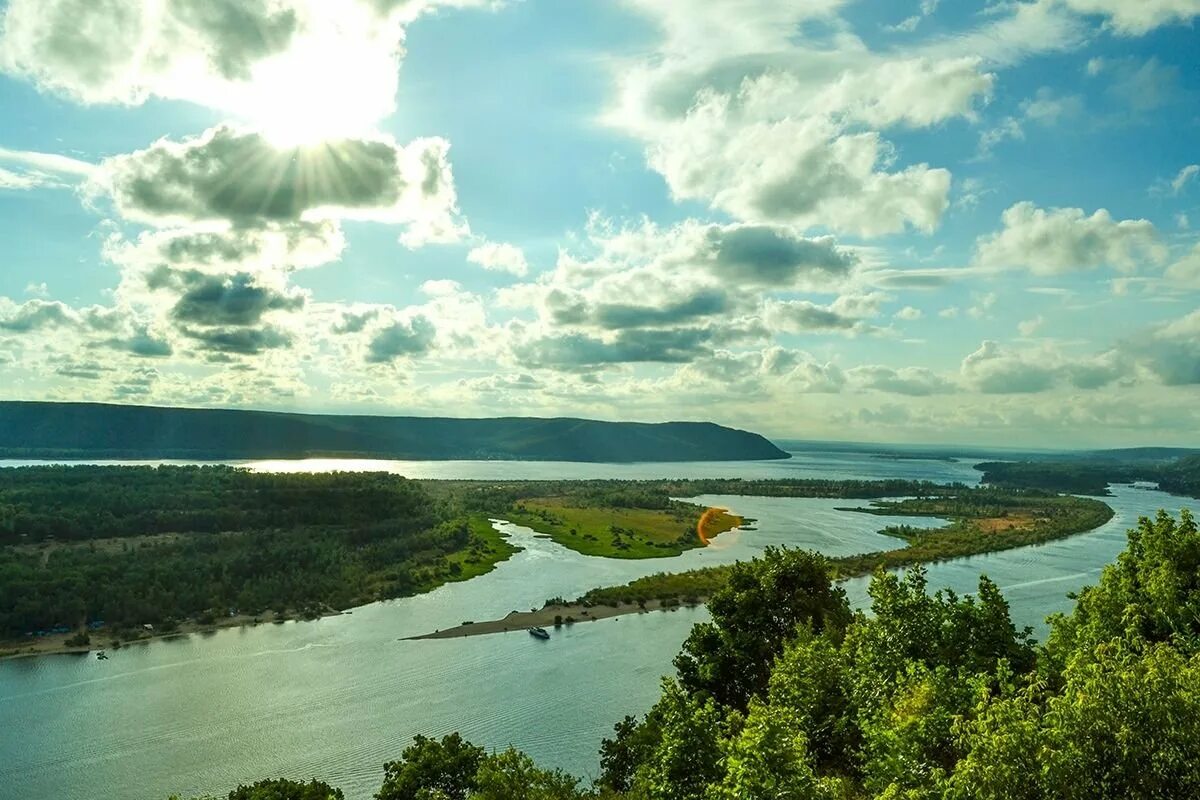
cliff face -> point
(88, 430)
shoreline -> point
(569, 615)
(55, 645)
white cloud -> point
(39, 170)
(1029, 327)
(17, 182)
(499, 257)
(1143, 85)
(1186, 270)
(1184, 177)
(1066, 239)
(298, 69)
(1045, 108)
(1170, 351)
(1137, 17)
(767, 126)
(993, 370)
(47, 162)
(909, 314)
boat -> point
(540, 633)
(102, 656)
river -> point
(337, 697)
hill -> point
(93, 430)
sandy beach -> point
(573, 614)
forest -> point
(930, 695)
(117, 548)
(112, 549)
(1093, 475)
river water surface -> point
(336, 697)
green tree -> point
(1150, 594)
(753, 615)
(766, 760)
(686, 759)
(281, 789)
(811, 683)
(429, 768)
(512, 775)
(633, 742)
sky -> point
(935, 221)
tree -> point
(633, 742)
(512, 775)
(1151, 594)
(686, 758)
(1126, 724)
(281, 789)
(810, 682)
(766, 760)
(429, 766)
(753, 615)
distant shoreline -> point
(56, 644)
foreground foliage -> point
(787, 694)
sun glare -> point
(329, 85)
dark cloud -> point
(413, 337)
(801, 315)
(142, 343)
(239, 341)
(565, 310)
(35, 315)
(237, 32)
(354, 321)
(229, 300)
(629, 346)
(910, 381)
(235, 175)
(1173, 360)
(763, 255)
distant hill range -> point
(92, 430)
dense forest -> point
(1092, 476)
(787, 693)
(140, 545)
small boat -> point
(540, 633)
(102, 656)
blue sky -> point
(912, 221)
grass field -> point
(619, 532)
(980, 522)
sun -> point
(332, 83)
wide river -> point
(337, 697)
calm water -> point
(337, 697)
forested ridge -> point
(787, 693)
(95, 430)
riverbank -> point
(983, 521)
(555, 616)
(57, 644)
